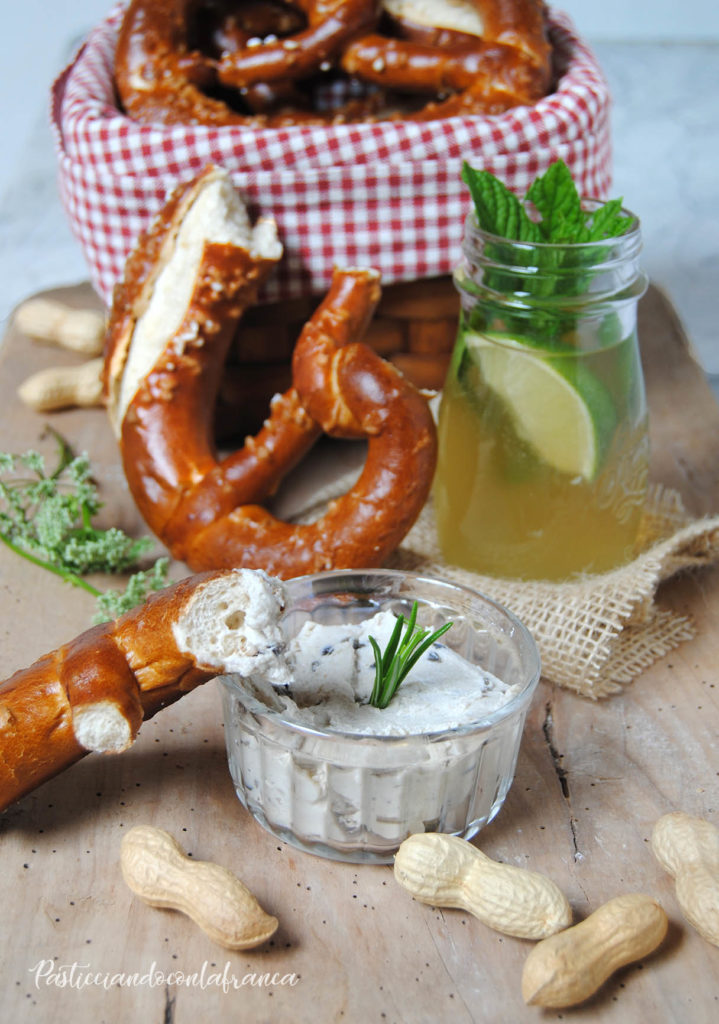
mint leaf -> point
(499, 211)
(556, 199)
(608, 221)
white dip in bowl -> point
(324, 770)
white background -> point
(37, 36)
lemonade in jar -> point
(543, 440)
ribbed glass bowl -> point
(355, 797)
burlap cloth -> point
(598, 633)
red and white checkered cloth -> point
(386, 195)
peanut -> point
(568, 968)
(688, 848)
(157, 870)
(446, 871)
(45, 319)
(62, 387)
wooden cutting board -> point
(352, 946)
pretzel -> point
(352, 393)
(162, 77)
(162, 383)
(172, 320)
(434, 22)
(330, 25)
(262, 63)
(224, 26)
(93, 693)
(487, 64)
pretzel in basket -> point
(180, 62)
(162, 379)
(269, 64)
(330, 25)
(464, 56)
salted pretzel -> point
(162, 379)
(93, 693)
(224, 26)
(186, 284)
(264, 63)
(330, 25)
(477, 56)
(180, 62)
(351, 392)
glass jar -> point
(543, 434)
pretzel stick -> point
(93, 693)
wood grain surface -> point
(352, 946)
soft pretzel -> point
(477, 56)
(162, 378)
(350, 392)
(163, 76)
(93, 693)
(171, 322)
(434, 22)
(264, 63)
(330, 25)
(224, 26)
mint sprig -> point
(555, 198)
(400, 656)
(552, 266)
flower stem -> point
(68, 577)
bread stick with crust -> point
(93, 693)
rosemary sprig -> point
(46, 518)
(400, 656)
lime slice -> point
(557, 405)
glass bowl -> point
(355, 797)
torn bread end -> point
(212, 213)
(102, 727)
(232, 624)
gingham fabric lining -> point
(387, 195)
